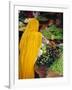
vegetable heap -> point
(49, 56)
(53, 31)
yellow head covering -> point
(29, 47)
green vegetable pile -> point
(58, 65)
(53, 31)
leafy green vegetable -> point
(54, 31)
(58, 66)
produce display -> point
(53, 32)
(51, 54)
(51, 59)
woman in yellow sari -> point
(29, 47)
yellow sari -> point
(29, 47)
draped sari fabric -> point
(30, 44)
